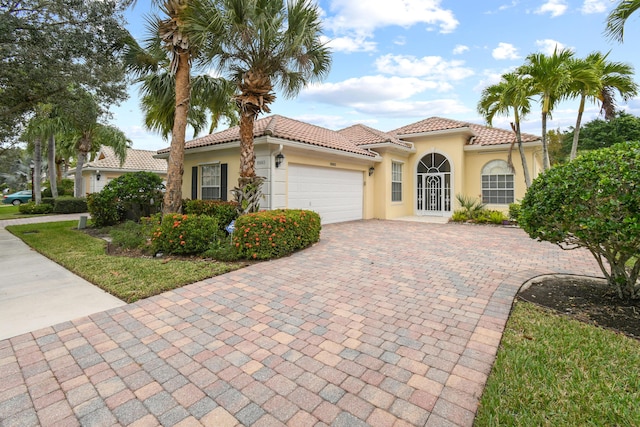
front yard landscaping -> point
(128, 278)
(552, 370)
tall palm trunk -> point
(84, 146)
(247, 152)
(51, 162)
(37, 170)
(175, 167)
(546, 164)
(576, 131)
(523, 157)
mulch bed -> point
(586, 299)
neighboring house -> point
(362, 173)
(106, 166)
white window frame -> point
(396, 180)
(209, 182)
(497, 183)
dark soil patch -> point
(586, 299)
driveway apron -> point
(382, 323)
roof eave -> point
(390, 145)
(501, 147)
(465, 130)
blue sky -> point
(399, 61)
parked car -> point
(17, 198)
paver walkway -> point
(382, 323)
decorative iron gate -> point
(434, 185)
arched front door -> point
(434, 185)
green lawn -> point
(127, 278)
(555, 371)
(11, 212)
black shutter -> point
(223, 181)
(194, 182)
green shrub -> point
(30, 208)
(130, 196)
(49, 201)
(70, 205)
(224, 211)
(129, 235)
(592, 202)
(273, 234)
(103, 207)
(223, 251)
(459, 216)
(183, 234)
(514, 211)
(470, 206)
(495, 217)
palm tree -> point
(596, 78)
(167, 98)
(39, 128)
(618, 18)
(210, 98)
(86, 134)
(550, 80)
(512, 93)
(260, 45)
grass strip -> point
(555, 371)
(12, 212)
(129, 279)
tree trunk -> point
(84, 147)
(37, 170)
(78, 187)
(576, 131)
(175, 167)
(546, 164)
(523, 157)
(247, 152)
(51, 162)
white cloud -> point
(349, 44)
(370, 89)
(505, 51)
(490, 78)
(460, 49)
(433, 67)
(400, 40)
(547, 46)
(554, 7)
(370, 15)
(594, 6)
(404, 109)
(335, 122)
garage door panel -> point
(336, 194)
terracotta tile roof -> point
(484, 135)
(137, 160)
(365, 135)
(285, 128)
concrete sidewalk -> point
(35, 292)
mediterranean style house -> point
(363, 173)
(106, 167)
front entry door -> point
(434, 186)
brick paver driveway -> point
(382, 323)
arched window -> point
(497, 183)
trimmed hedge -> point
(182, 234)
(224, 211)
(70, 205)
(30, 208)
(273, 234)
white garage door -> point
(336, 194)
